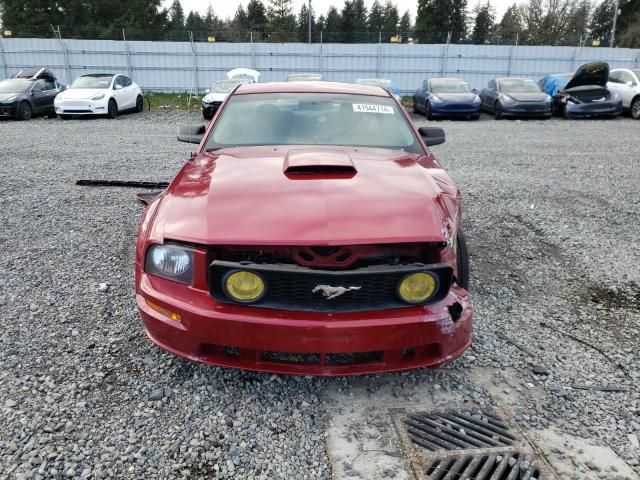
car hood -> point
(80, 93)
(7, 96)
(528, 97)
(590, 74)
(243, 196)
(456, 97)
(215, 97)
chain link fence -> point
(231, 35)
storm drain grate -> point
(457, 430)
(495, 466)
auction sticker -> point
(371, 108)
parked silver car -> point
(626, 83)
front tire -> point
(497, 111)
(112, 109)
(139, 104)
(25, 112)
(462, 257)
(428, 113)
(635, 108)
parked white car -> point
(221, 89)
(99, 94)
(626, 83)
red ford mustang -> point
(311, 232)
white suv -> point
(626, 83)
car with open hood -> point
(105, 94)
(513, 97)
(220, 89)
(446, 98)
(325, 240)
(583, 93)
(28, 93)
(625, 82)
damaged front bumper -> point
(309, 343)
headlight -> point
(417, 287)
(173, 262)
(243, 286)
(476, 99)
(435, 99)
(507, 99)
(99, 96)
(548, 99)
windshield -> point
(15, 86)
(312, 119)
(376, 82)
(92, 81)
(519, 85)
(448, 86)
(225, 86)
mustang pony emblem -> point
(332, 292)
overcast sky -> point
(226, 8)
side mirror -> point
(475, 90)
(629, 83)
(432, 135)
(208, 90)
(191, 133)
(117, 87)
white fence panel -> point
(186, 66)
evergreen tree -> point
(376, 20)
(435, 18)
(601, 22)
(576, 29)
(354, 21)
(282, 21)
(629, 21)
(511, 25)
(391, 19)
(302, 24)
(333, 25)
(483, 25)
(405, 28)
(176, 16)
(257, 17)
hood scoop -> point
(323, 163)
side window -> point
(425, 86)
(49, 85)
(38, 86)
(492, 85)
(614, 77)
(117, 83)
(126, 81)
(626, 77)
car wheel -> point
(567, 114)
(139, 104)
(462, 258)
(65, 117)
(25, 112)
(428, 113)
(635, 108)
(112, 109)
(497, 111)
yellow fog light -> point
(417, 287)
(243, 286)
(167, 313)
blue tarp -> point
(551, 84)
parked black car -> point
(28, 93)
(584, 93)
(515, 97)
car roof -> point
(310, 87)
(513, 78)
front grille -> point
(291, 287)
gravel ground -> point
(552, 220)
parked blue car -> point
(446, 98)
